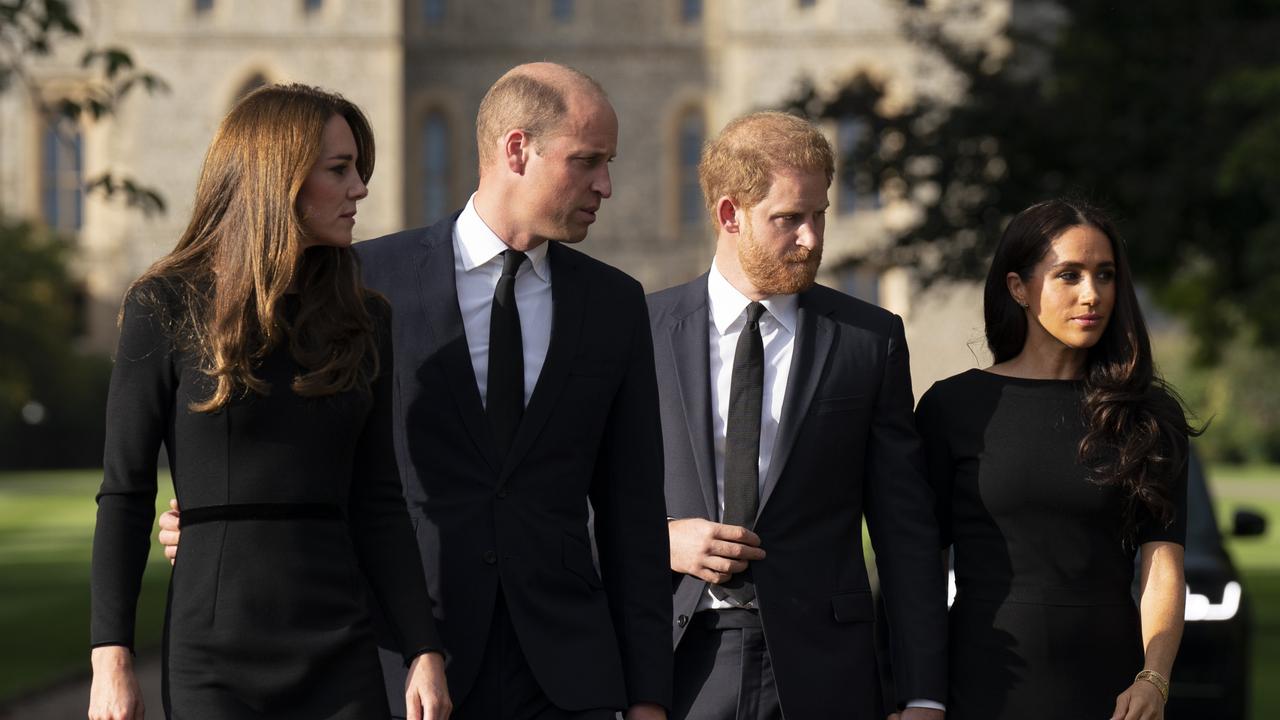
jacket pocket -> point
(823, 406)
(853, 607)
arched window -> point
(689, 141)
(62, 176)
(562, 10)
(254, 82)
(691, 11)
(432, 12)
(434, 167)
(851, 136)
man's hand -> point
(426, 692)
(711, 551)
(170, 529)
(645, 711)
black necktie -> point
(505, 394)
(742, 441)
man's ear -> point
(727, 217)
(516, 146)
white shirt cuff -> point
(929, 704)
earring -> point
(1024, 305)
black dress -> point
(290, 505)
(1044, 624)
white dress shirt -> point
(728, 310)
(728, 314)
(477, 265)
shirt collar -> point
(727, 304)
(478, 245)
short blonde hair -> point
(740, 162)
(520, 100)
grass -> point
(46, 530)
(1258, 558)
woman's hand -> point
(426, 693)
(1142, 701)
(115, 694)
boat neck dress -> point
(1044, 623)
(291, 507)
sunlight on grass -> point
(46, 531)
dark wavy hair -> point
(1135, 426)
(240, 255)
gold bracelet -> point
(1156, 679)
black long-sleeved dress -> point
(1044, 624)
(289, 506)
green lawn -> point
(46, 528)
(46, 525)
(1258, 558)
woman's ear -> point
(1017, 288)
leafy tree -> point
(1166, 113)
(51, 394)
(30, 30)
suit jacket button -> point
(682, 620)
(490, 557)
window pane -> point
(851, 139)
(312, 5)
(203, 5)
(433, 11)
(692, 134)
(62, 194)
(691, 11)
(435, 168)
(562, 10)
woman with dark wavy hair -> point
(1052, 467)
(253, 353)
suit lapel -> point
(446, 337)
(814, 335)
(691, 352)
(568, 302)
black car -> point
(1212, 673)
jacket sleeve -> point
(380, 528)
(140, 407)
(631, 522)
(904, 533)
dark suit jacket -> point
(846, 446)
(590, 431)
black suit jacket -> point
(846, 447)
(590, 431)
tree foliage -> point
(30, 30)
(51, 394)
(1167, 113)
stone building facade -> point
(676, 71)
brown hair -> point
(240, 254)
(741, 161)
(520, 100)
(1136, 430)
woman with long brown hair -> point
(253, 353)
(1052, 468)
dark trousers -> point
(506, 688)
(723, 670)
